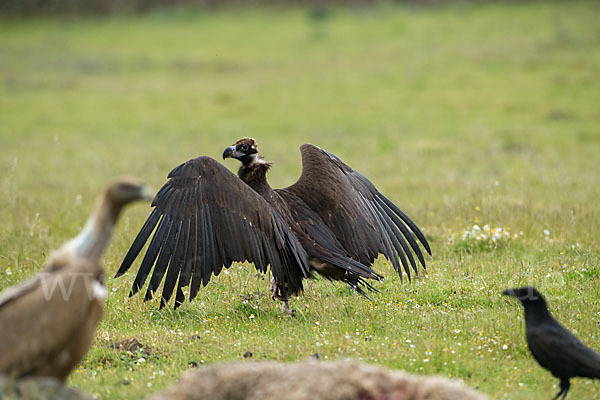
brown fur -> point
(312, 380)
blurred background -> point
(438, 100)
(463, 112)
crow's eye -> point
(244, 147)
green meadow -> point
(466, 114)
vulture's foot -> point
(287, 310)
(278, 294)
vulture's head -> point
(124, 190)
(93, 238)
(245, 150)
(527, 295)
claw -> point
(287, 310)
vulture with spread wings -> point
(332, 221)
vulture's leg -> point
(278, 292)
(286, 308)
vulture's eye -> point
(244, 147)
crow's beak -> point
(228, 152)
(508, 292)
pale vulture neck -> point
(93, 239)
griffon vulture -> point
(47, 323)
(332, 221)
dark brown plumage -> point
(48, 322)
(332, 221)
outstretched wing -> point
(365, 222)
(207, 218)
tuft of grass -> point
(464, 115)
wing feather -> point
(364, 221)
(176, 267)
(208, 239)
(217, 262)
(151, 253)
(160, 266)
(400, 233)
(400, 245)
(139, 241)
(205, 219)
(413, 227)
(407, 235)
(190, 263)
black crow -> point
(332, 221)
(554, 348)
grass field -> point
(463, 115)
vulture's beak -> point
(228, 152)
(232, 152)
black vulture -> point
(48, 322)
(554, 347)
(332, 221)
